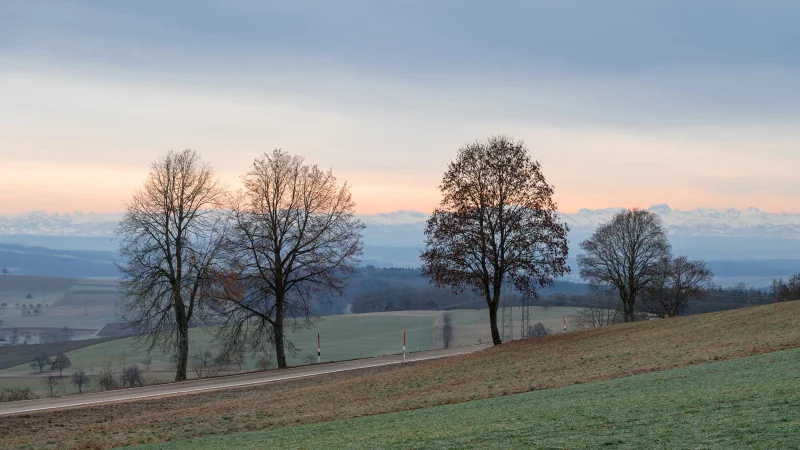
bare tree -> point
(169, 238)
(599, 310)
(677, 281)
(784, 291)
(624, 255)
(80, 379)
(264, 360)
(132, 376)
(294, 240)
(52, 383)
(60, 362)
(497, 221)
(204, 364)
(106, 378)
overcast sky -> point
(691, 103)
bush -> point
(13, 395)
(538, 330)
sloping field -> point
(521, 366)
(22, 354)
(343, 337)
(746, 402)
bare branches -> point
(677, 282)
(169, 239)
(294, 240)
(496, 221)
(624, 254)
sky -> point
(624, 103)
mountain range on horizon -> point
(750, 245)
(750, 222)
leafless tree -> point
(599, 310)
(132, 376)
(80, 379)
(106, 378)
(784, 291)
(265, 360)
(169, 238)
(496, 221)
(294, 240)
(676, 282)
(204, 364)
(624, 254)
(52, 383)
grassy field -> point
(518, 367)
(471, 326)
(21, 355)
(343, 337)
(749, 402)
(85, 305)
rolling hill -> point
(518, 367)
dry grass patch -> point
(520, 366)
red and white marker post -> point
(404, 346)
(319, 352)
(565, 323)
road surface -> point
(218, 383)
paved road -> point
(213, 384)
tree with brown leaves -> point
(169, 238)
(625, 255)
(496, 222)
(294, 240)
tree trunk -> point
(182, 323)
(183, 351)
(280, 354)
(628, 311)
(493, 323)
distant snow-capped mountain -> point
(54, 224)
(750, 222)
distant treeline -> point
(718, 299)
(373, 289)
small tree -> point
(598, 311)
(80, 379)
(447, 330)
(52, 383)
(624, 255)
(40, 361)
(677, 282)
(203, 364)
(106, 378)
(783, 291)
(60, 362)
(4, 271)
(538, 330)
(132, 376)
(497, 222)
